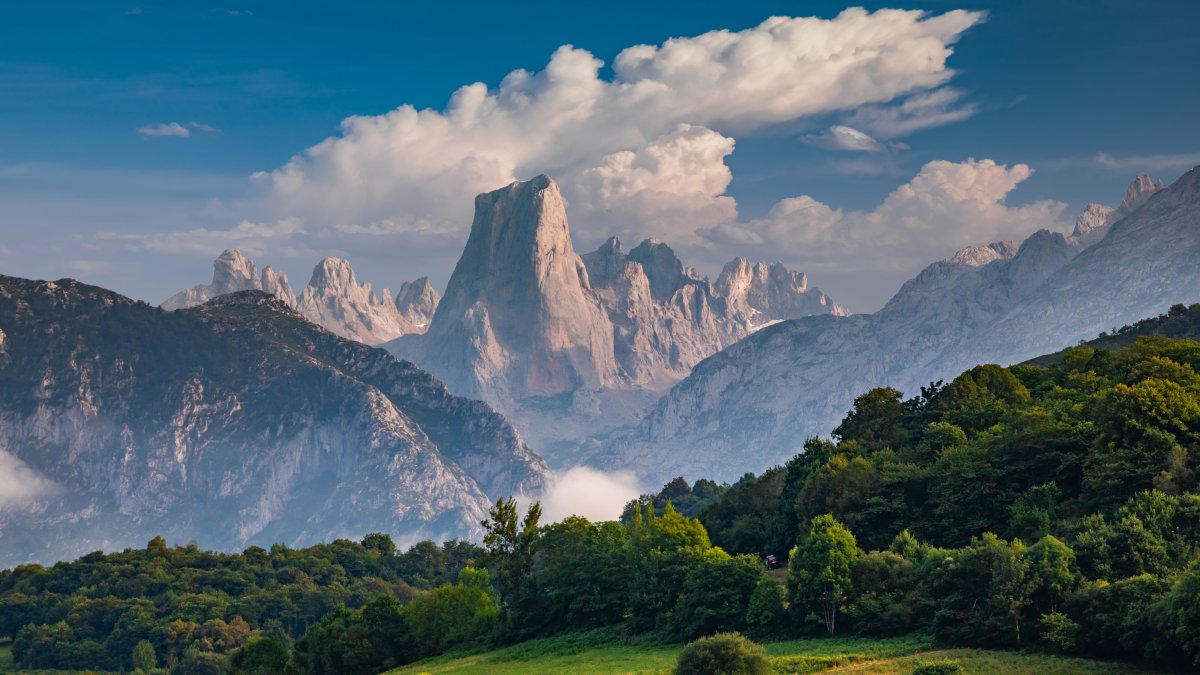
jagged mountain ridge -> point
(236, 422)
(767, 393)
(566, 344)
(333, 297)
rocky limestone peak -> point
(1139, 190)
(333, 275)
(335, 299)
(759, 292)
(232, 272)
(978, 256)
(663, 268)
(417, 301)
(1092, 217)
(518, 309)
(276, 283)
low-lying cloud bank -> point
(20, 484)
(590, 493)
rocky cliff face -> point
(333, 297)
(565, 344)
(233, 423)
(753, 404)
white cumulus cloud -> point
(946, 206)
(646, 145)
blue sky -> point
(1084, 93)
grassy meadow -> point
(600, 652)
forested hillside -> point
(1043, 508)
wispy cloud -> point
(919, 111)
(254, 238)
(849, 139)
(1165, 162)
(176, 129)
(169, 129)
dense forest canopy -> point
(1050, 508)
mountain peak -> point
(233, 271)
(518, 308)
(977, 256)
(663, 268)
(1139, 190)
(333, 273)
(417, 301)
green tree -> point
(1179, 614)
(723, 654)
(821, 568)
(1052, 566)
(144, 659)
(766, 613)
(381, 543)
(510, 545)
(715, 595)
(260, 656)
(875, 420)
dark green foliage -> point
(463, 614)
(715, 596)
(1179, 615)
(735, 521)
(723, 654)
(766, 614)
(983, 591)
(260, 656)
(96, 611)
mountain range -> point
(235, 422)
(755, 403)
(333, 297)
(569, 345)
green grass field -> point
(599, 652)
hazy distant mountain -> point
(754, 403)
(236, 422)
(565, 344)
(333, 297)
